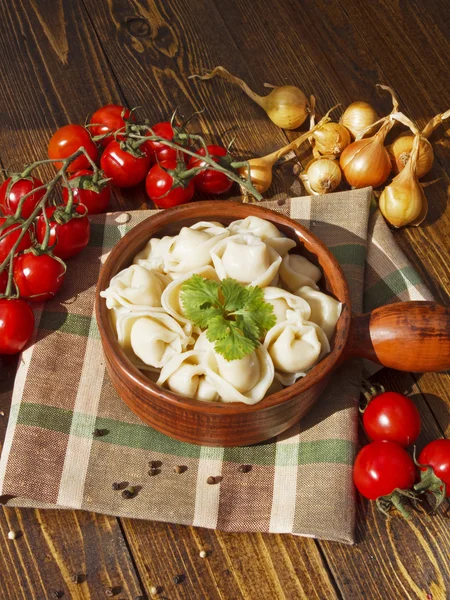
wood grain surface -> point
(63, 59)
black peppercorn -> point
(154, 471)
(244, 468)
(179, 579)
(115, 486)
(180, 469)
(129, 492)
(77, 578)
(109, 592)
(155, 464)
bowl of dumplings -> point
(164, 365)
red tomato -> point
(210, 181)
(381, 467)
(94, 197)
(70, 237)
(437, 455)
(38, 277)
(123, 168)
(3, 281)
(108, 118)
(164, 188)
(394, 417)
(158, 150)
(16, 325)
(10, 202)
(66, 140)
(8, 242)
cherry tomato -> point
(437, 455)
(70, 237)
(210, 181)
(381, 467)
(164, 188)
(38, 277)
(16, 325)
(123, 168)
(394, 417)
(158, 150)
(3, 281)
(109, 118)
(8, 242)
(94, 197)
(9, 202)
(66, 140)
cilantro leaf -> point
(256, 312)
(218, 328)
(200, 300)
(201, 316)
(234, 294)
(235, 345)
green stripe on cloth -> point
(104, 236)
(349, 254)
(69, 323)
(394, 284)
(143, 437)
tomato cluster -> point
(383, 469)
(116, 151)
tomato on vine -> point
(109, 118)
(166, 186)
(19, 187)
(38, 277)
(93, 194)
(12, 234)
(434, 464)
(394, 417)
(67, 140)
(172, 133)
(209, 181)
(16, 325)
(125, 166)
(68, 234)
(3, 281)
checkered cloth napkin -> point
(299, 483)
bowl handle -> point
(407, 336)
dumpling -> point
(191, 248)
(247, 259)
(152, 336)
(187, 374)
(135, 288)
(282, 301)
(153, 255)
(170, 299)
(265, 230)
(325, 310)
(296, 270)
(295, 347)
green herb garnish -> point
(235, 317)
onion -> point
(403, 202)
(286, 106)
(322, 175)
(367, 162)
(331, 139)
(358, 117)
(400, 151)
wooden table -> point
(63, 59)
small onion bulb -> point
(286, 106)
(400, 152)
(403, 202)
(357, 117)
(322, 176)
(331, 139)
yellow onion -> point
(366, 162)
(322, 175)
(286, 106)
(358, 117)
(403, 202)
(331, 139)
(400, 151)
(261, 168)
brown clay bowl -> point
(411, 336)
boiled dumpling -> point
(295, 347)
(264, 230)
(192, 247)
(187, 374)
(325, 310)
(150, 335)
(247, 259)
(153, 255)
(134, 288)
(282, 301)
(171, 300)
(296, 270)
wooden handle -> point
(407, 336)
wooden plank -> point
(237, 565)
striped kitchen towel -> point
(299, 483)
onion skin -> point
(260, 173)
(400, 151)
(332, 138)
(357, 117)
(286, 106)
(323, 175)
(365, 163)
